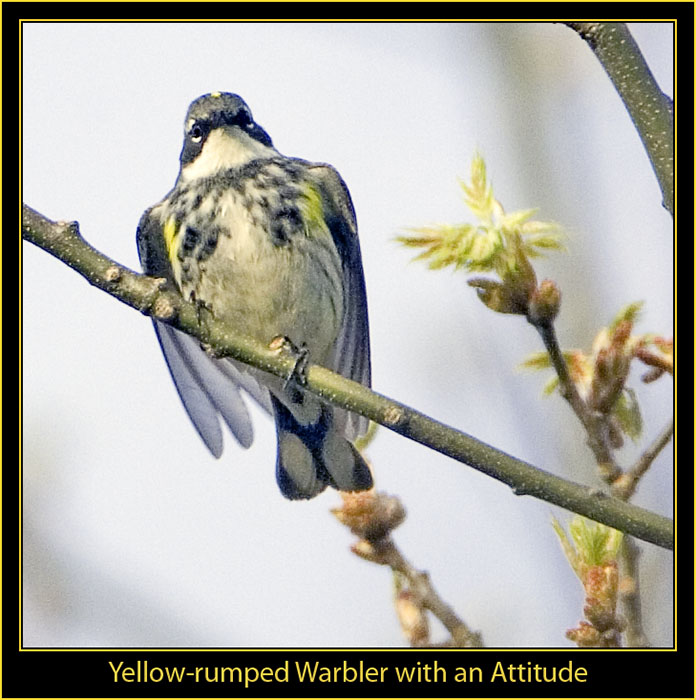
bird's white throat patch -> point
(224, 150)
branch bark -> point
(597, 435)
(387, 553)
(629, 591)
(650, 109)
(625, 486)
(149, 296)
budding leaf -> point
(627, 412)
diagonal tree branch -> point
(650, 109)
(625, 486)
(153, 298)
(597, 437)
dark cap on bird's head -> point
(217, 104)
(213, 111)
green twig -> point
(148, 295)
(629, 594)
(597, 434)
(387, 553)
(650, 109)
(625, 486)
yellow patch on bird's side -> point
(216, 94)
(312, 209)
(170, 232)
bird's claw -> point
(298, 373)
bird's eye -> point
(196, 132)
(244, 119)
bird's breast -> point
(259, 255)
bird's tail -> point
(314, 456)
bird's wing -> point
(351, 355)
(207, 386)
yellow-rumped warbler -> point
(268, 244)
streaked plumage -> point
(268, 244)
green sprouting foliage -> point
(495, 243)
(590, 544)
(600, 375)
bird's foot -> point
(298, 373)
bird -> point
(269, 245)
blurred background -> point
(133, 535)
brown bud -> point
(663, 362)
(545, 303)
(602, 581)
(601, 588)
(365, 550)
(599, 614)
(584, 635)
(370, 515)
(622, 333)
(413, 619)
(651, 375)
(500, 296)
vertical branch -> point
(629, 594)
(596, 434)
(624, 487)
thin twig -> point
(625, 486)
(629, 590)
(372, 516)
(629, 594)
(597, 435)
(650, 109)
(151, 298)
(421, 586)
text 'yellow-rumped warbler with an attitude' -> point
(268, 244)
